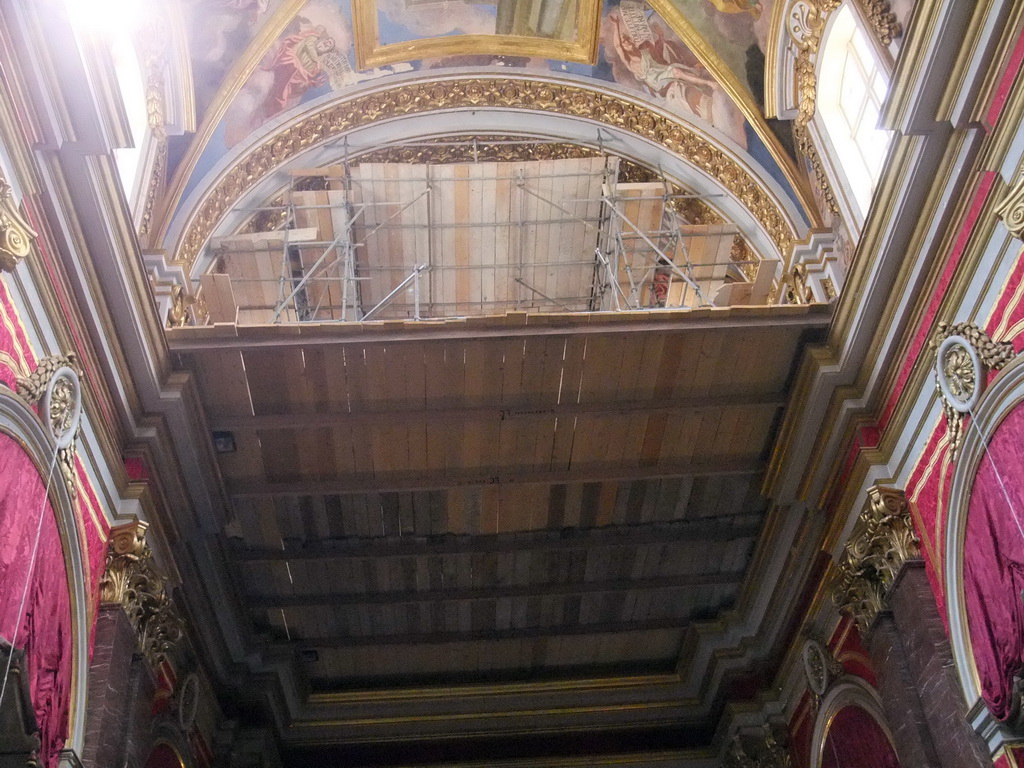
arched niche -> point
(32, 447)
(981, 526)
(850, 730)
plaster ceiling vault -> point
(487, 518)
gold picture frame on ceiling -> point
(583, 49)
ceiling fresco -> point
(219, 32)
(390, 31)
(736, 31)
(290, 57)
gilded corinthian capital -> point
(16, 235)
(883, 540)
(131, 581)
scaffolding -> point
(419, 241)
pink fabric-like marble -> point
(994, 567)
(45, 627)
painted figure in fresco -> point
(251, 9)
(296, 67)
(753, 7)
(666, 68)
(644, 53)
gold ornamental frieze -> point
(424, 97)
(883, 540)
(470, 148)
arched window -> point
(852, 85)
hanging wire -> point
(28, 576)
(995, 469)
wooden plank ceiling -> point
(427, 506)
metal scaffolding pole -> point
(412, 278)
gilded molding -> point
(419, 98)
(1011, 209)
(155, 61)
(60, 398)
(131, 581)
(16, 235)
(955, 364)
(883, 540)
(806, 23)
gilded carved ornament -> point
(882, 20)
(1011, 209)
(759, 750)
(16, 235)
(55, 386)
(883, 540)
(964, 354)
(805, 22)
(186, 309)
(131, 581)
(797, 286)
(423, 97)
(153, 39)
(820, 667)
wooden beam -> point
(490, 413)
(473, 636)
(343, 599)
(426, 481)
(744, 320)
(706, 529)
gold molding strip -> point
(500, 689)
(336, 119)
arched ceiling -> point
(258, 67)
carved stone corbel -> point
(16, 235)
(131, 581)
(883, 540)
(55, 386)
(964, 354)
